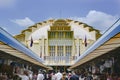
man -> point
(25, 75)
(58, 76)
(40, 76)
(74, 76)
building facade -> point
(59, 42)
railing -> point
(59, 60)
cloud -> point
(99, 20)
(23, 22)
(7, 3)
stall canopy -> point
(110, 40)
(11, 46)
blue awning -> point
(110, 33)
(6, 38)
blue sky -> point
(17, 15)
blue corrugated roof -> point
(9, 40)
(112, 31)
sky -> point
(17, 15)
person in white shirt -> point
(102, 68)
(58, 75)
(30, 75)
(53, 76)
(108, 63)
(40, 76)
(25, 75)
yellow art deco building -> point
(59, 42)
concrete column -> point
(77, 44)
(56, 50)
(80, 44)
(40, 44)
(73, 48)
(83, 47)
(64, 50)
(64, 53)
(43, 47)
(46, 54)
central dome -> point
(80, 29)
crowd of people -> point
(90, 73)
(52, 75)
(43, 75)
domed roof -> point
(79, 32)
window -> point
(52, 50)
(68, 50)
(60, 35)
(60, 51)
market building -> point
(59, 42)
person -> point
(30, 75)
(34, 76)
(89, 76)
(74, 76)
(53, 76)
(58, 75)
(25, 75)
(95, 77)
(16, 77)
(109, 77)
(40, 76)
(69, 75)
(64, 76)
(4, 76)
(82, 77)
(16, 74)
